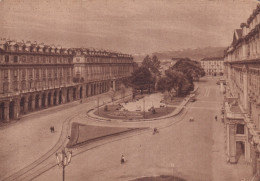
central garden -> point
(146, 106)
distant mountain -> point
(195, 54)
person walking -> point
(216, 118)
(122, 159)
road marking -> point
(210, 101)
(206, 94)
(200, 107)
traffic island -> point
(83, 134)
(114, 112)
(154, 109)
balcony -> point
(233, 110)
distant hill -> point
(195, 54)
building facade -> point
(213, 65)
(36, 76)
(242, 106)
(104, 70)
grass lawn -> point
(176, 101)
(81, 134)
(113, 113)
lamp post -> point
(98, 104)
(63, 160)
(144, 106)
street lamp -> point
(144, 106)
(63, 160)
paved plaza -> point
(190, 150)
(152, 100)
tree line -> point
(177, 80)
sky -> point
(128, 26)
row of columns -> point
(12, 108)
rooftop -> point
(212, 59)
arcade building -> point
(37, 76)
(242, 102)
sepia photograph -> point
(130, 90)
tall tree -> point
(174, 80)
(191, 69)
(142, 79)
(153, 64)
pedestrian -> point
(216, 118)
(53, 129)
(122, 159)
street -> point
(190, 150)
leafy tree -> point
(153, 64)
(122, 91)
(174, 80)
(191, 69)
(142, 79)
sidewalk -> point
(221, 170)
(30, 138)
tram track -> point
(27, 172)
(84, 148)
(59, 144)
(48, 161)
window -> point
(5, 73)
(15, 73)
(240, 129)
(6, 58)
(55, 73)
(49, 73)
(15, 86)
(60, 72)
(6, 86)
(37, 73)
(23, 59)
(15, 59)
(23, 85)
(31, 59)
(23, 74)
(43, 73)
(77, 59)
(31, 85)
(30, 73)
